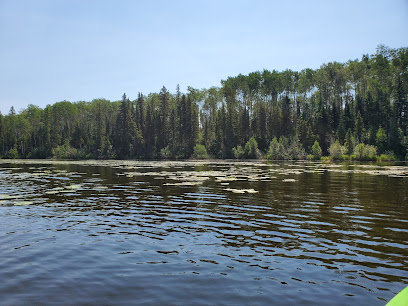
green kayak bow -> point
(401, 299)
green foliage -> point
(349, 143)
(238, 152)
(166, 153)
(337, 151)
(200, 152)
(37, 153)
(275, 150)
(65, 151)
(286, 149)
(295, 151)
(386, 157)
(12, 153)
(251, 149)
(316, 151)
(360, 151)
(326, 159)
(364, 152)
(381, 140)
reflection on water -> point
(130, 232)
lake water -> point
(225, 233)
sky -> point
(75, 50)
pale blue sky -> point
(54, 50)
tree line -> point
(338, 109)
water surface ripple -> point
(225, 233)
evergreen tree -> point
(163, 132)
(316, 150)
(127, 136)
(381, 140)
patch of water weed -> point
(183, 184)
(73, 187)
(9, 197)
(23, 203)
(241, 190)
(100, 187)
(66, 189)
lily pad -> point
(52, 192)
(100, 187)
(241, 191)
(23, 203)
(73, 187)
(8, 196)
(251, 190)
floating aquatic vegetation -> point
(52, 192)
(225, 179)
(22, 203)
(8, 168)
(73, 187)
(9, 197)
(290, 171)
(47, 172)
(183, 184)
(332, 166)
(234, 190)
(251, 190)
(251, 171)
(58, 188)
(390, 171)
(100, 187)
(67, 189)
(396, 175)
(241, 190)
(319, 171)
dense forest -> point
(357, 109)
